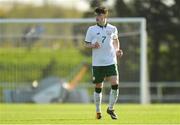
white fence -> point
(161, 92)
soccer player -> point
(102, 38)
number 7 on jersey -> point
(103, 38)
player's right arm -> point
(91, 45)
(90, 41)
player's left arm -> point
(116, 43)
(117, 47)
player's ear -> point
(106, 14)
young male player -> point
(102, 38)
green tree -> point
(122, 9)
(93, 5)
(163, 22)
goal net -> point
(33, 49)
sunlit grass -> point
(84, 114)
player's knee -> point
(99, 85)
(114, 81)
(115, 87)
(98, 90)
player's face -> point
(101, 19)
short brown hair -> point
(101, 10)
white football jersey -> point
(106, 54)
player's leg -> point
(98, 99)
(98, 79)
(113, 78)
(113, 96)
(113, 92)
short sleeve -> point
(115, 36)
(89, 35)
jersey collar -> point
(102, 26)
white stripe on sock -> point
(97, 101)
(113, 98)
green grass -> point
(84, 114)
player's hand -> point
(96, 45)
(119, 53)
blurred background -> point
(44, 61)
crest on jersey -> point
(97, 33)
(108, 32)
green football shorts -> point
(100, 72)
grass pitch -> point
(84, 114)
